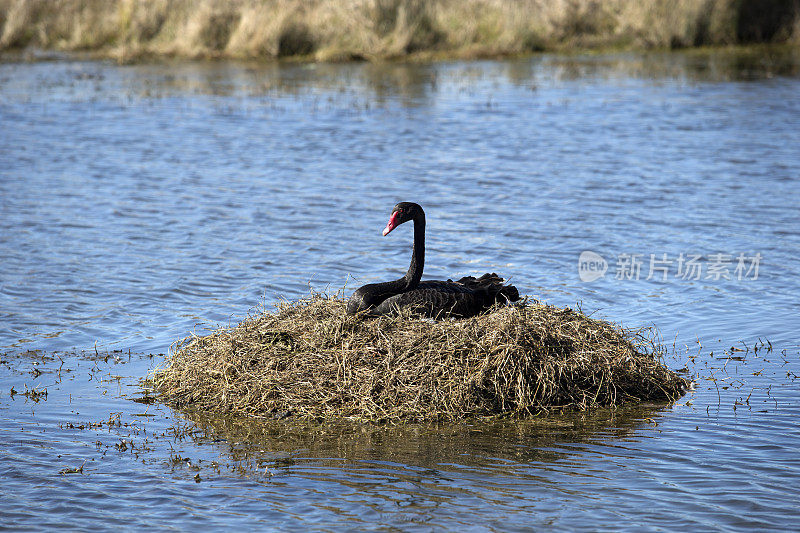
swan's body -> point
(465, 297)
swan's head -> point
(402, 212)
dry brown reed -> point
(378, 29)
(310, 360)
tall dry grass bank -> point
(374, 29)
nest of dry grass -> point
(311, 360)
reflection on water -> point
(477, 445)
(409, 84)
(139, 203)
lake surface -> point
(141, 203)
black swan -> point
(463, 298)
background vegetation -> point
(376, 29)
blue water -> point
(140, 203)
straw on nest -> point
(311, 360)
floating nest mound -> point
(309, 359)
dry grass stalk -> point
(310, 360)
(379, 29)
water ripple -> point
(164, 199)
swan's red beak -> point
(393, 222)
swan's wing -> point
(448, 286)
(465, 297)
(371, 295)
(491, 286)
(434, 302)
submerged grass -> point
(311, 360)
(379, 29)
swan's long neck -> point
(414, 273)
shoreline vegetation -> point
(309, 360)
(374, 30)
